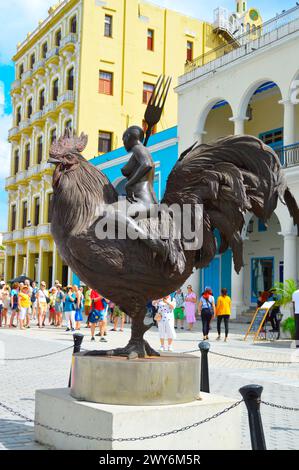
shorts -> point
(43, 306)
(179, 313)
(117, 312)
(97, 316)
(23, 312)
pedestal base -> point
(57, 409)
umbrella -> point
(20, 279)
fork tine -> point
(153, 97)
(163, 97)
(157, 90)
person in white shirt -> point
(296, 315)
(165, 319)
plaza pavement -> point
(20, 379)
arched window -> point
(39, 150)
(16, 162)
(58, 38)
(70, 79)
(53, 135)
(44, 50)
(42, 99)
(68, 125)
(55, 89)
(248, 27)
(29, 108)
(32, 60)
(27, 156)
(18, 115)
(73, 25)
(21, 71)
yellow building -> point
(90, 65)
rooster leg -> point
(137, 346)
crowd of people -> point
(25, 304)
(174, 311)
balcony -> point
(289, 155)
(13, 133)
(29, 232)
(25, 124)
(67, 99)
(53, 55)
(38, 116)
(21, 176)
(7, 237)
(18, 235)
(27, 76)
(33, 172)
(10, 182)
(45, 166)
(15, 86)
(268, 34)
(50, 108)
(39, 67)
(43, 230)
(69, 43)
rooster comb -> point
(69, 143)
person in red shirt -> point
(100, 307)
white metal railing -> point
(71, 38)
(7, 237)
(39, 65)
(270, 32)
(24, 124)
(10, 180)
(45, 166)
(12, 132)
(50, 107)
(29, 232)
(36, 116)
(22, 175)
(67, 96)
(223, 19)
(16, 84)
(34, 170)
(18, 234)
(289, 155)
(52, 53)
(43, 230)
(26, 75)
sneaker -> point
(182, 328)
(218, 338)
(175, 327)
(93, 338)
(73, 329)
(170, 349)
(103, 340)
(162, 349)
(65, 330)
(98, 334)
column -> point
(238, 305)
(16, 261)
(54, 273)
(290, 255)
(288, 122)
(239, 123)
(40, 262)
(70, 277)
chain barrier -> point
(37, 357)
(281, 407)
(111, 439)
(251, 360)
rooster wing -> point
(229, 177)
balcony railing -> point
(29, 232)
(7, 237)
(12, 132)
(67, 97)
(53, 53)
(34, 170)
(37, 116)
(43, 230)
(27, 75)
(22, 175)
(271, 31)
(10, 181)
(50, 107)
(44, 166)
(24, 124)
(18, 234)
(289, 155)
(39, 65)
(15, 85)
(71, 38)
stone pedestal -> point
(169, 379)
(111, 397)
(57, 409)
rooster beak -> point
(53, 161)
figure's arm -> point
(138, 175)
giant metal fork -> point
(156, 104)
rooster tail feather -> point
(292, 206)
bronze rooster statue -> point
(228, 177)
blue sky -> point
(22, 16)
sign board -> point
(259, 319)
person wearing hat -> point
(207, 311)
(24, 307)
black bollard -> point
(204, 370)
(252, 397)
(78, 338)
